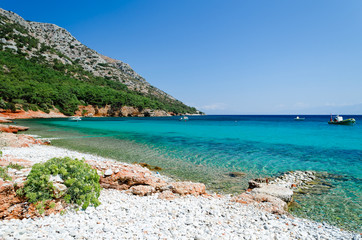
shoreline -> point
(6, 116)
(230, 218)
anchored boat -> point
(184, 118)
(299, 119)
(338, 120)
(74, 118)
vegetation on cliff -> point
(36, 84)
(37, 76)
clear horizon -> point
(234, 57)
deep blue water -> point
(264, 145)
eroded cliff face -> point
(21, 114)
(125, 111)
(69, 51)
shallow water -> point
(207, 148)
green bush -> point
(82, 182)
(4, 174)
(15, 166)
(26, 106)
(11, 106)
(2, 103)
(43, 106)
(33, 107)
(18, 101)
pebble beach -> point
(122, 215)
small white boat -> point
(299, 119)
(184, 118)
(74, 118)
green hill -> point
(43, 66)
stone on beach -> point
(12, 128)
(283, 193)
(56, 178)
(141, 180)
(108, 172)
(142, 190)
(265, 202)
(167, 195)
(186, 188)
(14, 207)
(18, 140)
(59, 189)
(5, 120)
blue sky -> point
(227, 57)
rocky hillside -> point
(49, 44)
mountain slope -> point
(58, 54)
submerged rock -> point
(277, 192)
(237, 174)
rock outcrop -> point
(21, 114)
(141, 181)
(265, 202)
(18, 140)
(12, 128)
(5, 120)
(275, 195)
(125, 111)
(14, 207)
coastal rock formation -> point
(265, 202)
(106, 84)
(167, 195)
(14, 207)
(141, 181)
(5, 120)
(125, 111)
(142, 190)
(21, 114)
(278, 192)
(68, 50)
(12, 128)
(188, 188)
(18, 140)
(294, 179)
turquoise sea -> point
(208, 148)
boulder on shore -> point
(18, 140)
(12, 128)
(283, 193)
(5, 120)
(263, 201)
